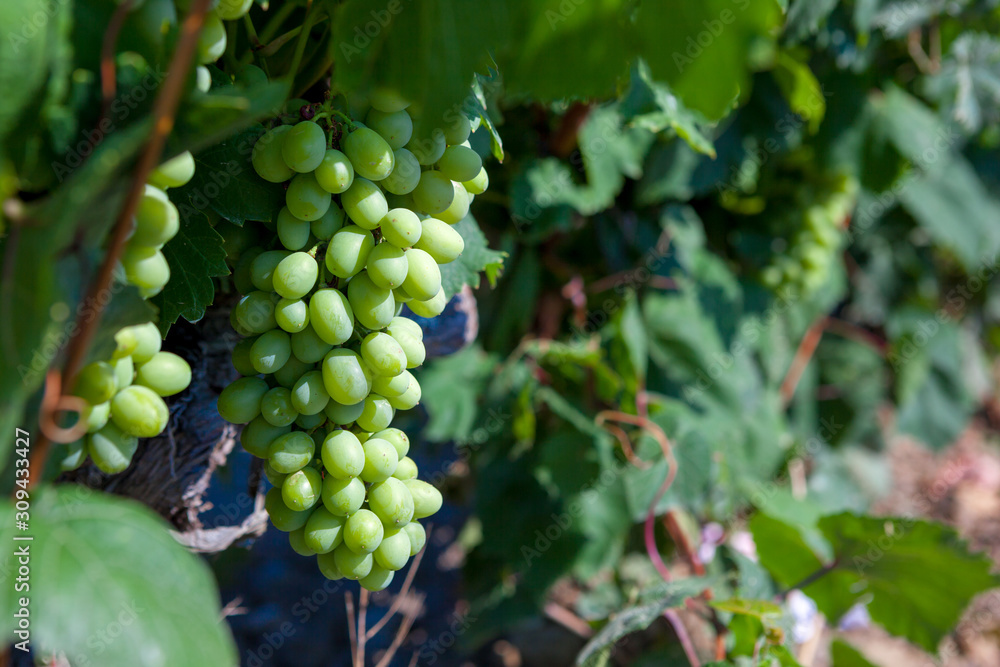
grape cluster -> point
(325, 357)
(805, 264)
(124, 398)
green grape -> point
(297, 540)
(291, 451)
(270, 351)
(289, 374)
(412, 347)
(431, 307)
(380, 460)
(348, 251)
(373, 306)
(391, 386)
(146, 268)
(346, 377)
(391, 502)
(459, 206)
(166, 374)
(408, 399)
(263, 267)
(124, 372)
(273, 476)
(148, 341)
(405, 175)
(439, 240)
(378, 579)
(96, 416)
(352, 565)
(377, 414)
(203, 79)
(394, 550)
(423, 277)
(397, 438)
(324, 531)
(139, 411)
(342, 454)
(383, 354)
(387, 266)
(328, 566)
(401, 227)
(76, 454)
(276, 407)
(458, 130)
(258, 435)
(434, 193)
(267, 160)
(112, 448)
(331, 221)
(332, 316)
(335, 173)
(363, 532)
(460, 163)
(407, 469)
(304, 147)
(404, 325)
(292, 315)
(307, 346)
(400, 296)
(292, 232)
(125, 343)
(309, 422)
(301, 489)
(173, 173)
(364, 203)
(306, 199)
(295, 275)
(230, 10)
(479, 184)
(395, 128)
(237, 240)
(156, 219)
(427, 150)
(242, 277)
(426, 499)
(212, 39)
(95, 382)
(249, 76)
(255, 312)
(309, 396)
(283, 517)
(402, 201)
(343, 414)
(343, 497)
(417, 535)
(387, 100)
(369, 153)
(240, 402)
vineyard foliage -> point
(754, 227)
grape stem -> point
(300, 47)
(108, 79)
(164, 111)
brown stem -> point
(807, 347)
(683, 637)
(164, 110)
(362, 620)
(564, 139)
(108, 78)
(397, 603)
(684, 545)
(352, 631)
(401, 633)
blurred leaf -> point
(755, 608)
(98, 552)
(968, 82)
(451, 387)
(650, 105)
(801, 89)
(496, 142)
(195, 255)
(843, 654)
(806, 16)
(476, 259)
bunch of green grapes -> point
(805, 264)
(325, 357)
(124, 398)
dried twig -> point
(398, 602)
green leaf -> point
(634, 619)
(225, 181)
(106, 567)
(496, 142)
(452, 386)
(707, 50)
(968, 82)
(806, 16)
(757, 608)
(651, 105)
(195, 255)
(477, 258)
(843, 654)
(801, 89)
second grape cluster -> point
(326, 357)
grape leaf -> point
(475, 259)
(843, 654)
(968, 83)
(451, 387)
(147, 599)
(195, 256)
(805, 18)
